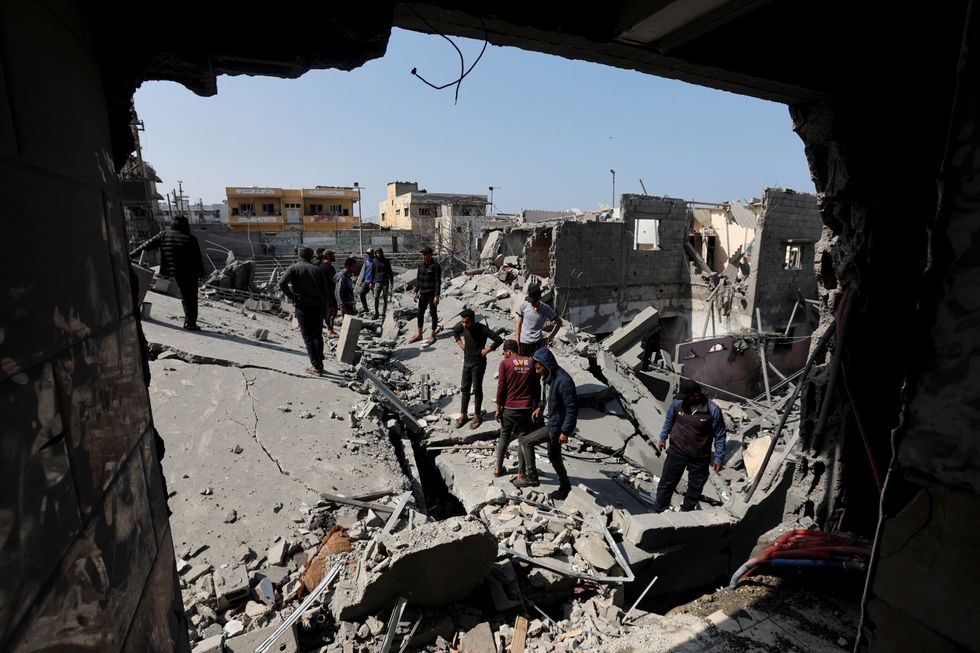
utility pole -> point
(360, 219)
(613, 205)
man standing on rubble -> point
(562, 404)
(367, 277)
(305, 284)
(326, 264)
(518, 393)
(383, 280)
(344, 288)
(180, 258)
(471, 336)
(692, 423)
(428, 282)
(532, 315)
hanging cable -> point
(463, 71)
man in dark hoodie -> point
(562, 406)
(428, 282)
(692, 423)
(180, 258)
(306, 285)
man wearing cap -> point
(471, 336)
(306, 285)
(532, 315)
(518, 393)
(692, 424)
(428, 282)
(367, 277)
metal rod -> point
(294, 617)
(640, 598)
(409, 636)
(789, 325)
(762, 356)
(396, 616)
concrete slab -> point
(204, 411)
(628, 335)
(644, 455)
(430, 565)
(347, 344)
(606, 431)
(754, 454)
(248, 642)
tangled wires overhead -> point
(463, 71)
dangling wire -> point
(463, 71)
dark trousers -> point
(674, 466)
(310, 320)
(331, 313)
(188, 297)
(426, 300)
(528, 348)
(473, 378)
(538, 436)
(381, 291)
(513, 424)
(365, 289)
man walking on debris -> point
(562, 406)
(345, 288)
(428, 282)
(383, 279)
(692, 423)
(471, 336)
(532, 315)
(518, 394)
(326, 264)
(180, 258)
(366, 277)
(305, 284)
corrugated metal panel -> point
(743, 215)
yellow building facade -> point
(324, 208)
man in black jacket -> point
(471, 336)
(180, 258)
(326, 259)
(428, 282)
(306, 285)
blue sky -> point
(544, 131)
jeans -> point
(554, 454)
(310, 320)
(188, 297)
(365, 289)
(473, 378)
(514, 422)
(528, 348)
(426, 300)
(697, 476)
(381, 292)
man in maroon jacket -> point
(518, 394)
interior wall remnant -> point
(86, 554)
(538, 252)
(789, 220)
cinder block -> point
(347, 343)
(649, 530)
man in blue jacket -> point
(692, 424)
(562, 416)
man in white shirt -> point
(532, 315)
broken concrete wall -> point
(733, 363)
(85, 548)
(603, 282)
(789, 219)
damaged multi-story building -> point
(887, 420)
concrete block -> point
(277, 552)
(478, 640)
(248, 642)
(623, 338)
(230, 585)
(210, 645)
(452, 556)
(347, 343)
(649, 530)
(595, 550)
(643, 454)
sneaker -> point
(192, 327)
(561, 493)
(315, 371)
(526, 482)
(460, 421)
(476, 421)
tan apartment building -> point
(405, 205)
(324, 208)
